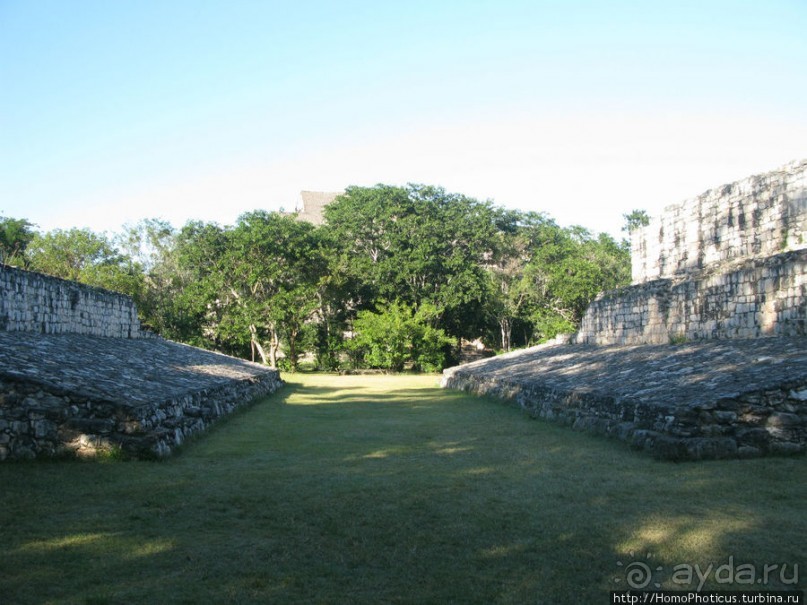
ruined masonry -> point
(731, 263)
(79, 377)
(705, 354)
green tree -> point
(271, 274)
(150, 243)
(417, 244)
(15, 236)
(398, 334)
(153, 245)
(568, 272)
(512, 294)
(634, 220)
(547, 276)
(245, 290)
(84, 256)
(455, 268)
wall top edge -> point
(791, 168)
(67, 282)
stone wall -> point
(676, 364)
(44, 421)
(759, 216)
(763, 297)
(33, 302)
(79, 395)
(704, 400)
(731, 263)
(78, 378)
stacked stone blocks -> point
(704, 355)
(731, 263)
(79, 377)
(764, 297)
(34, 302)
(758, 217)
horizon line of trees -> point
(395, 277)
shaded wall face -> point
(760, 216)
(33, 302)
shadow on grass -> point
(333, 492)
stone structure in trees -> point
(312, 203)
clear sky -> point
(113, 111)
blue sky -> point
(115, 111)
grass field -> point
(386, 489)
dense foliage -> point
(396, 277)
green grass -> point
(386, 489)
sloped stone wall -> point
(705, 355)
(33, 302)
(705, 400)
(80, 395)
(762, 215)
(78, 376)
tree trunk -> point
(274, 345)
(293, 349)
(256, 344)
(261, 352)
(507, 329)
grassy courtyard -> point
(387, 489)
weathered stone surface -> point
(79, 394)
(716, 303)
(757, 217)
(711, 399)
(725, 272)
(34, 302)
(731, 263)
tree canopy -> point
(396, 277)
(15, 235)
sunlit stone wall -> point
(33, 302)
(760, 216)
(766, 297)
(731, 263)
